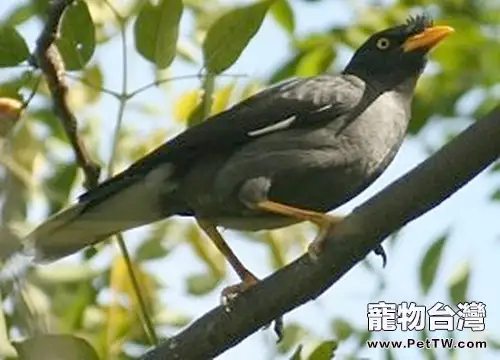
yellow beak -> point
(427, 39)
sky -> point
(468, 215)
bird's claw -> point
(278, 328)
(230, 293)
(379, 250)
(325, 225)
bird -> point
(290, 153)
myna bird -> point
(288, 154)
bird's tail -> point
(90, 222)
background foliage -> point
(141, 71)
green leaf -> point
(222, 98)
(76, 42)
(430, 263)
(25, 150)
(496, 195)
(286, 70)
(9, 245)
(33, 306)
(493, 343)
(6, 348)
(362, 338)
(196, 116)
(55, 347)
(207, 252)
(172, 318)
(297, 354)
(19, 15)
(92, 75)
(291, 336)
(200, 107)
(283, 14)
(186, 53)
(78, 299)
(156, 31)
(429, 354)
(186, 104)
(459, 283)
(201, 284)
(47, 117)
(324, 351)
(12, 87)
(13, 48)
(63, 274)
(487, 105)
(342, 329)
(61, 182)
(316, 61)
(150, 249)
(41, 7)
(389, 355)
(230, 34)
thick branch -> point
(367, 226)
(48, 59)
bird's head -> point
(397, 55)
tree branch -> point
(367, 226)
(47, 57)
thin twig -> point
(33, 92)
(175, 78)
(47, 57)
(143, 311)
(93, 86)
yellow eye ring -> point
(383, 43)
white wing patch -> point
(323, 108)
(275, 127)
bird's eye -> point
(383, 43)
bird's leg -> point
(247, 278)
(324, 222)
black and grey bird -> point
(288, 154)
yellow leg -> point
(324, 222)
(247, 278)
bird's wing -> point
(132, 198)
(298, 102)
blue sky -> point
(471, 219)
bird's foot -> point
(325, 224)
(232, 292)
(379, 250)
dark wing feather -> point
(310, 100)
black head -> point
(398, 54)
